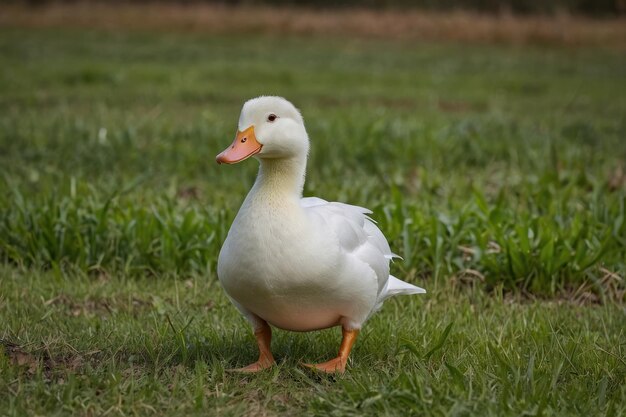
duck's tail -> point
(396, 287)
(393, 287)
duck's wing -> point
(356, 232)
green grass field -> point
(497, 172)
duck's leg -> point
(339, 363)
(263, 335)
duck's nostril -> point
(232, 146)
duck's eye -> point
(243, 140)
(271, 117)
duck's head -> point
(269, 127)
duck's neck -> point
(280, 179)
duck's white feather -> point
(360, 237)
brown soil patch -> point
(407, 24)
(17, 356)
(32, 360)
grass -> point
(162, 346)
(496, 172)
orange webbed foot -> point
(263, 336)
(336, 365)
(257, 366)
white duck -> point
(298, 263)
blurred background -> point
(487, 136)
(600, 7)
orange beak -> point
(244, 146)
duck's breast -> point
(288, 273)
